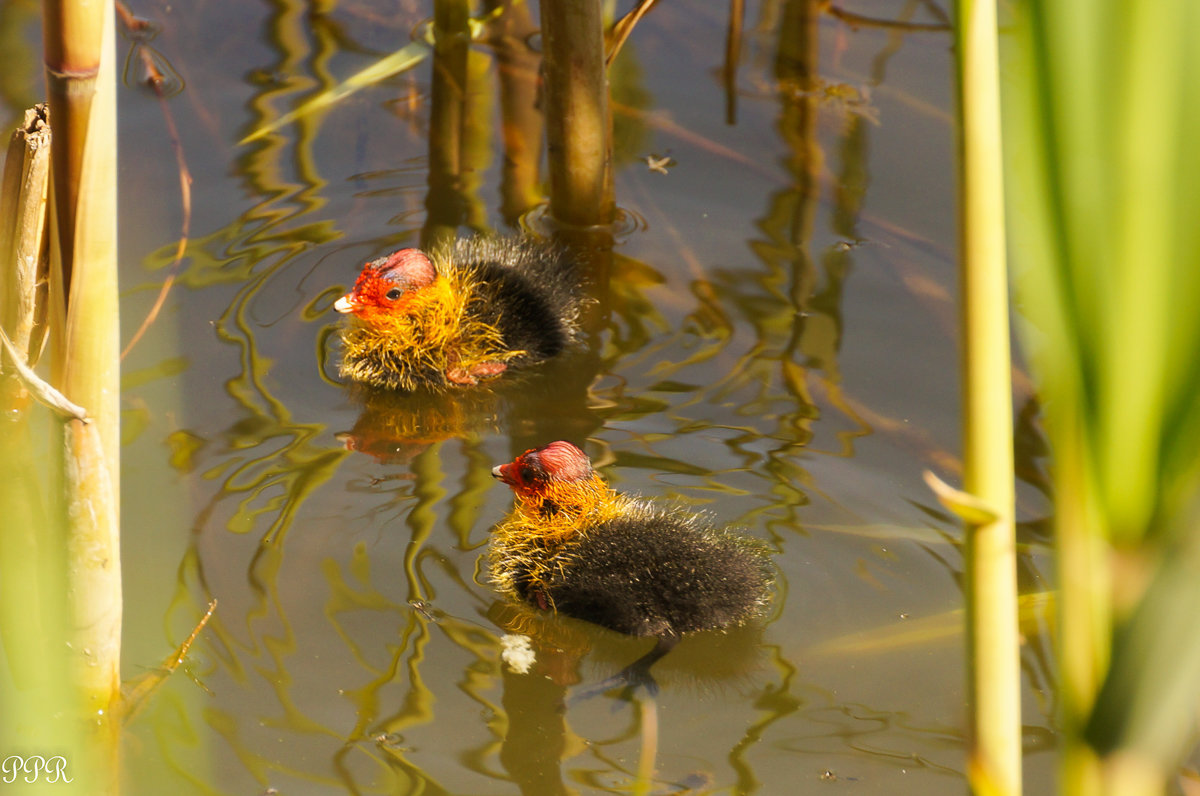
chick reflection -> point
(706, 661)
(393, 427)
(538, 739)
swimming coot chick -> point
(575, 546)
(460, 314)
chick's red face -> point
(532, 470)
(384, 284)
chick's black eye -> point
(394, 294)
(527, 473)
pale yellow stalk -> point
(993, 637)
(81, 74)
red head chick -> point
(573, 545)
(541, 470)
(387, 283)
(462, 314)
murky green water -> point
(779, 351)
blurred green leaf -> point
(1102, 125)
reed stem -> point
(993, 633)
(23, 194)
(578, 123)
(81, 79)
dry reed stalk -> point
(81, 80)
(23, 194)
(32, 601)
(39, 712)
(72, 43)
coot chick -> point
(459, 314)
(575, 546)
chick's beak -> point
(504, 473)
(346, 303)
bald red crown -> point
(384, 283)
(533, 469)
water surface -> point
(778, 348)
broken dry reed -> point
(23, 195)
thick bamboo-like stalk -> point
(578, 124)
(993, 634)
(22, 230)
(72, 45)
(81, 75)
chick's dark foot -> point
(629, 680)
(634, 676)
(637, 676)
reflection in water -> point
(521, 122)
(458, 153)
(535, 743)
(393, 427)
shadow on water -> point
(776, 347)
